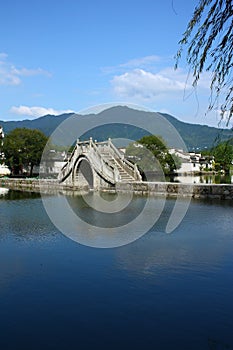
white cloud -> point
(37, 111)
(25, 72)
(11, 75)
(3, 56)
(141, 62)
(147, 86)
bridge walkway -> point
(100, 160)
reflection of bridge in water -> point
(96, 165)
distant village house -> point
(4, 170)
(193, 163)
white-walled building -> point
(52, 164)
(192, 162)
(4, 170)
(1, 133)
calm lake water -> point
(164, 291)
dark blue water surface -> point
(164, 291)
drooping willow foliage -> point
(208, 40)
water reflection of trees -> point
(216, 179)
(17, 195)
(22, 217)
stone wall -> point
(221, 191)
(28, 184)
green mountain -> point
(47, 123)
(199, 136)
(195, 136)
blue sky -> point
(68, 55)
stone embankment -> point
(218, 191)
(221, 191)
(30, 184)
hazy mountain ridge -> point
(194, 135)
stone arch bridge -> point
(97, 164)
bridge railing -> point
(68, 166)
(106, 169)
(127, 165)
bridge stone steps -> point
(103, 160)
(124, 175)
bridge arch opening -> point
(84, 173)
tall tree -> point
(223, 156)
(23, 148)
(151, 154)
(209, 42)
